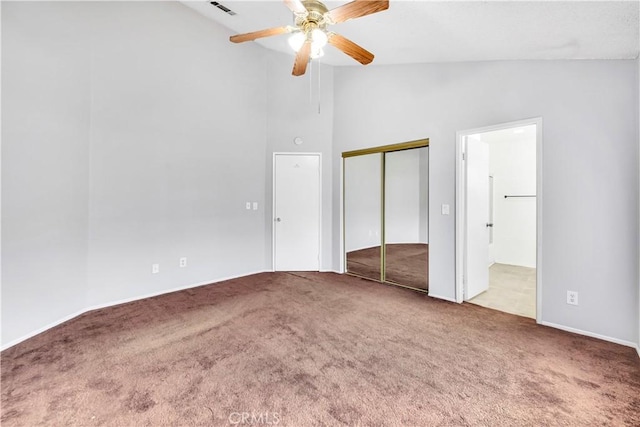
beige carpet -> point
(512, 289)
(314, 349)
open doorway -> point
(498, 217)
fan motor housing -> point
(315, 16)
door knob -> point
(278, 220)
(489, 224)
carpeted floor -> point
(301, 349)
(406, 264)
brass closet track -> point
(418, 143)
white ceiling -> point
(450, 31)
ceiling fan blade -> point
(355, 51)
(239, 38)
(302, 59)
(356, 9)
(295, 6)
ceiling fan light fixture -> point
(319, 39)
(297, 40)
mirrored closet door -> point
(406, 217)
(386, 227)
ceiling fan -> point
(311, 34)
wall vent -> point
(223, 8)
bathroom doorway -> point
(498, 263)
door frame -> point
(461, 196)
(273, 204)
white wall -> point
(133, 133)
(512, 163)
(177, 148)
(590, 166)
(45, 169)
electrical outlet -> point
(183, 262)
(155, 268)
(572, 297)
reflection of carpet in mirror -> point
(407, 264)
(365, 262)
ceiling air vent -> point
(223, 8)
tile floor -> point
(511, 289)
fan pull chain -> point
(319, 81)
(310, 81)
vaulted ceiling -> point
(446, 31)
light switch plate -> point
(255, 206)
(445, 209)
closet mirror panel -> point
(362, 215)
(406, 228)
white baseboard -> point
(168, 291)
(118, 302)
(43, 329)
(591, 334)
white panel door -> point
(477, 218)
(297, 212)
